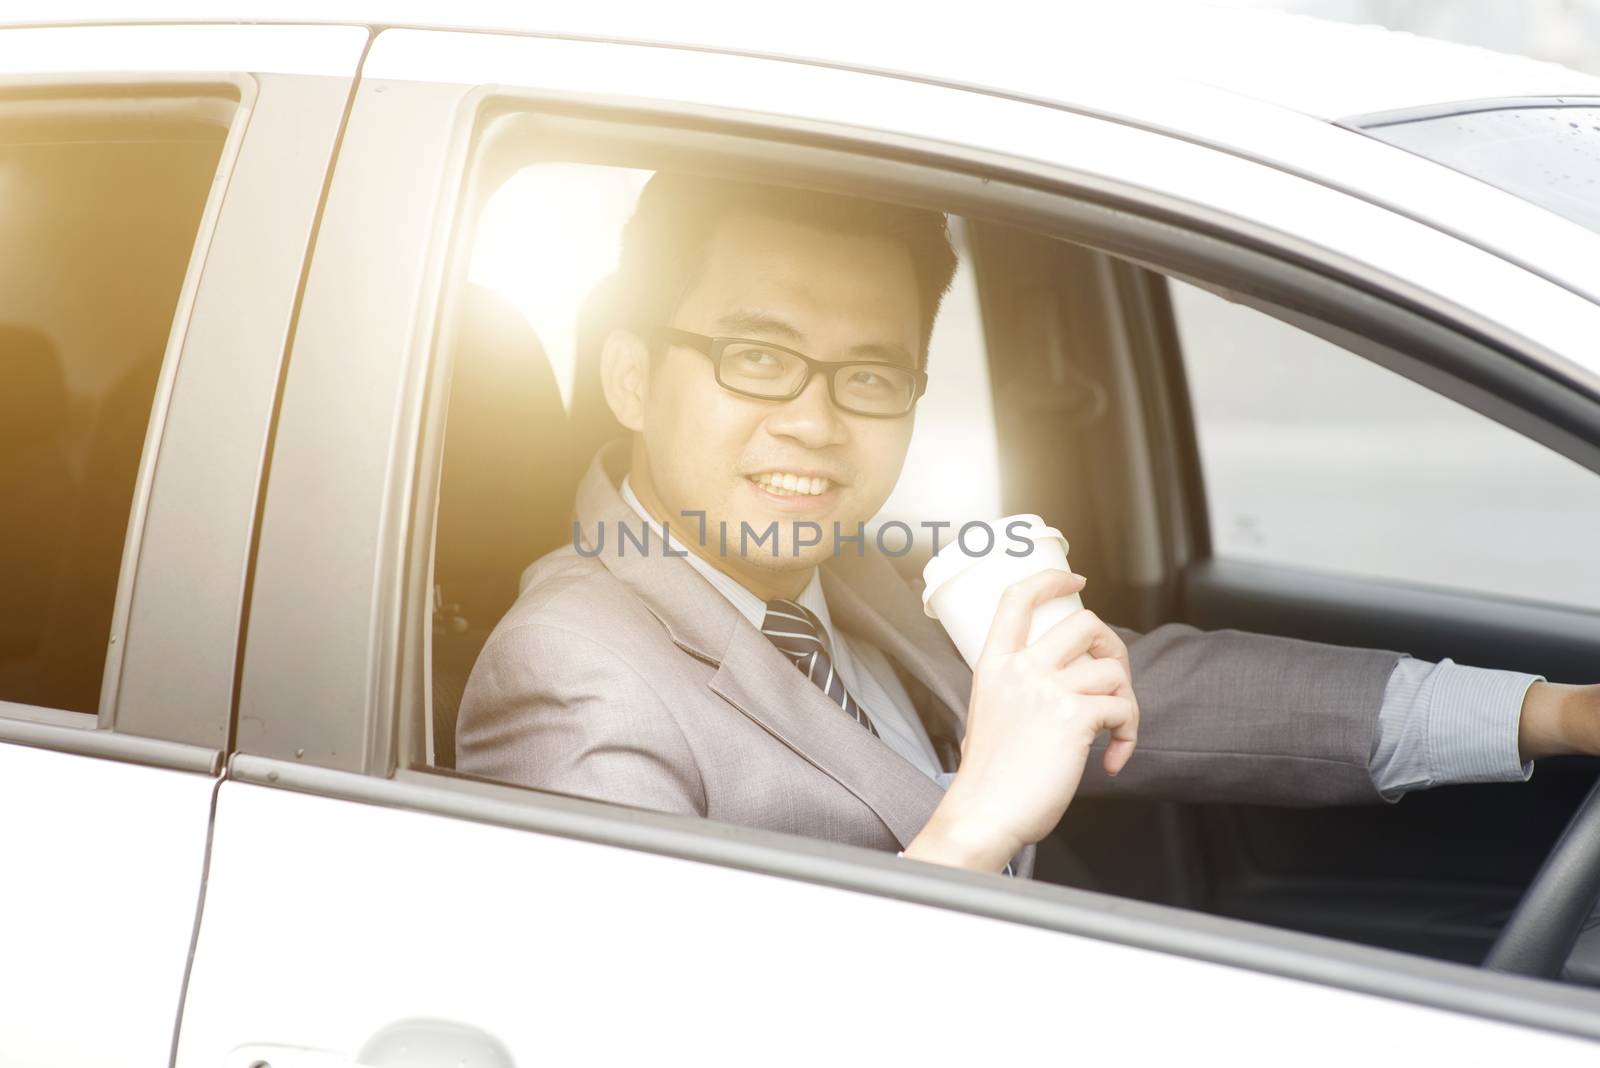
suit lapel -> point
(699, 619)
(752, 675)
(868, 598)
(761, 682)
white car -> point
(1324, 300)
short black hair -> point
(665, 243)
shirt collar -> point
(749, 605)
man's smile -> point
(785, 481)
(792, 491)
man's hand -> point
(1558, 719)
(1031, 720)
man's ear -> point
(625, 376)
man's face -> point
(833, 297)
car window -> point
(1314, 457)
(1543, 152)
(526, 407)
(100, 201)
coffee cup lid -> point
(952, 560)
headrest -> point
(33, 404)
(508, 472)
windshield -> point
(1548, 153)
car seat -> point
(591, 420)
(37, 497)
(506, 485)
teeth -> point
(785, 484)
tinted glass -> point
(1548, 155)
(98, 215)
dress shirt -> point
(1438, 723)
(1448, 723)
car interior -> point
(80, 376)
(1093, 429)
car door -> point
(361, 897)
(158, 184)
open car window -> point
(1044, 354)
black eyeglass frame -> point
(712, 347)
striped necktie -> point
(798, 634)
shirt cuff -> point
(1473, 719)
(1445, 723)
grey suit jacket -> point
(628, 678)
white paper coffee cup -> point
(963, 583)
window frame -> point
(1508, 383)
(362, 741)
(29, 723)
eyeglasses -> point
(766, 371)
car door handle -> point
(402, 1044)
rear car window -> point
(100, 202)
(1546, 153)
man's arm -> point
(552, 709)
(1218, 716)
(1330, 725)
(1559, 720)
(1230, 715)
(1312, 703)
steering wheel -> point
(1540, 934)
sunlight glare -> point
(545, 239)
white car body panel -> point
(326, 921)
(1303, 64)
(102, 865)
(109, 50)
(548, 944)
(102, 858)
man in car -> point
(767, 359)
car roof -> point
(1264, 85)
(1059, 52)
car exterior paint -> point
(304, 934)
